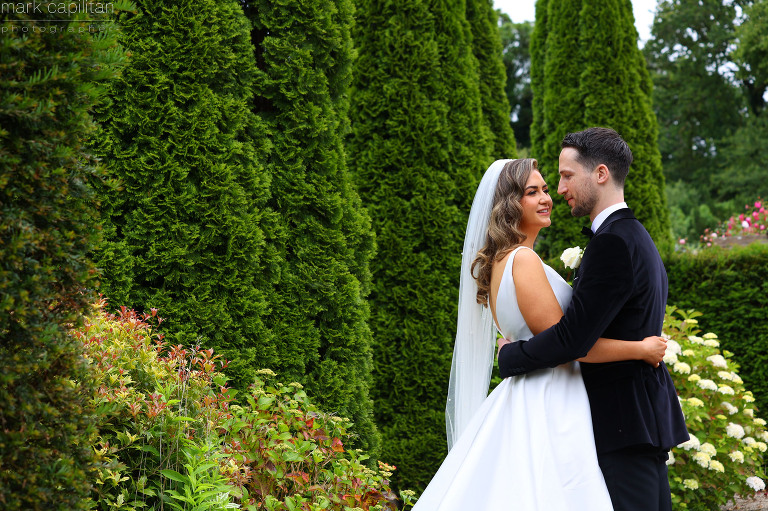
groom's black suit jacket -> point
(620, 292)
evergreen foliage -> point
(595, 76)
(538, 63)
(52, 73)
(730, 286)
(486, 46)
(516, 55)
(184, 228)
(319, 315)
(417, 152)
(556, 66)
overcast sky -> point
(522, 10)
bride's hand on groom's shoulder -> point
(653, 350)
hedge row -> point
(419, 143)
(235, 215)
(730, 287)
(51, 76)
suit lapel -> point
(621, 214)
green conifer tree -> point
(557, 108)
(487, 49)
(184, 228)
(52, 73)
(320, 314)
(417, 150)
(538, 60)
(596, 76)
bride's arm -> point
(650, 350)
(541, 310)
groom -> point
(620, 292)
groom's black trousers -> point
(637, 479)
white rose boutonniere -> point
(571, 257)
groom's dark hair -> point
(601, 145)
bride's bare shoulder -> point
(525, 257)
(527, 264)
(525, 261)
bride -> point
(528, 445)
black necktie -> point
(586, 231)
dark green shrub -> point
(52, 73)
(319, 314)
(486, 47)
(417, 148)
(185, 230)
(730, 287)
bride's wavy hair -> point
(504, 224)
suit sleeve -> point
(605, 285)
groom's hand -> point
(501, 342)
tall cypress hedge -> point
(730, 286)
(538, 64)
(319, 316)
(417, 152)
(555, 69)
(595, 75)
(52, 73)
(487, 49)
(184, 227)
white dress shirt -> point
(600, 218)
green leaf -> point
(172, 474)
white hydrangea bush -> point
(724, 456)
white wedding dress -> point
(530, 446)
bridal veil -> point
(475, 344)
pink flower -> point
(755, 214)
(741, 217)
(682, 241)
(758, 204)
(709, 244)
(762, 227)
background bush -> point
(730, 287)
(185, 228)
(51, 76)
(319, 312)
(171, 436)
(725, 453)
(419, 143)
(158, 407)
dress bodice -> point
(510, 320)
